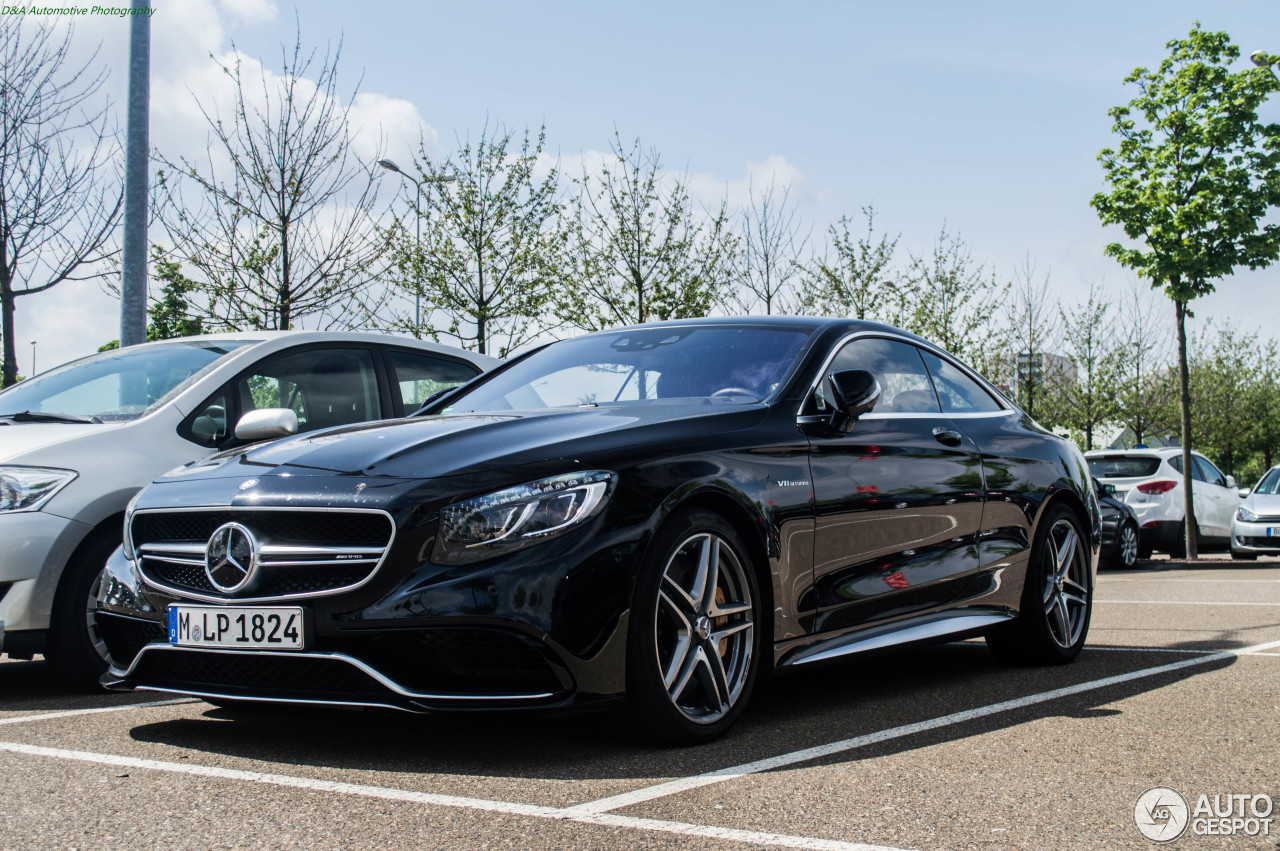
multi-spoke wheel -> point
(1057, 596)
(74, 648)
(1127, 546)
(693, 645)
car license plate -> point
(246, 627)
(1273, 531)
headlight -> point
(1245, 515)
(29, 488)
(128, 519)
(519, 517)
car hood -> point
(18, 439)
(1263, 504)
(465, 444)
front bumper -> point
(491, 637)
(37, 545)
(1254, 537)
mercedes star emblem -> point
(230, 557)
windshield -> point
(1124, 466)
(721, 363)
(1270, 483)
(122, 384)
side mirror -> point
(1108, 490)
(1231, 481)
(1244, 492)
(854, 392)
(267, 423)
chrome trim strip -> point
(381, 678)
(187, 594)
(175, 547)
(314, 550)
(293, 701)
(187, 561)
(934, 626)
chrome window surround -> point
(188, 594)
(1006, 407)
(383, 680)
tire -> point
(75, 649)
(1239, 556)
(1127, 547)
(1144, 552)
(693, 649)
(1057, 597)
(1179, 548)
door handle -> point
(947, 437)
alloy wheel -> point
(703, 628)
(1128, 545)
(1066, 585)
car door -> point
(1201, 499)
(898, 499)
(1222, 499)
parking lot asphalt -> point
(938, 748)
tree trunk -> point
(1184, 406)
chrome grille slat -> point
(287, 571)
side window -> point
(325, 387)
(420, 375)
(904, 384)
(1208, 472)
(1197, 474)
(959, 393)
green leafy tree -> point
(487, 261)
(1191, 180)
(856, 277)
(168, 315)
(1263, 406)
(637, 249)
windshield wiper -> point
(47, 417)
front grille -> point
(249, 674)
(126, 636)
(301, 552)
(461, 660)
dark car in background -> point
(1120, 535)
(654, 516)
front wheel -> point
(75, 649)
(693, 649)
(1239, 556)
(1057, 596)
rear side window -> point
(958, 393)
(1208, 472)
(421, 375)
(1124, 466)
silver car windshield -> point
(122, 384)
(723, 364)
(1270, 483)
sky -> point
(986, 116)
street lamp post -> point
(33, 358)
(417, 232)
(1262, 60)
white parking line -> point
(1151, 649)
(1184, 603)
(1163, 581)
(752, 837)
(49, 716)
(684, 784)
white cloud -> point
(390, 126)
(252, 11)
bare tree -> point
(637, 249)
(1144, 403)
(485, 264)
(954, 301)
(279, 226)
(769, 244)
(1032, 316)
(856, 278)
(1088, 401)
(60, 198)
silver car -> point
(78, 442)
(1256, 528)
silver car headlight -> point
(1244, 515)
(29, 488)
(520, 516)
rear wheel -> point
(693, 655)
(1057, 596)
(1127, 546)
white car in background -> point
(78, 442)
(1256, 528)
(1150, 482)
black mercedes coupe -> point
(655, 515)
